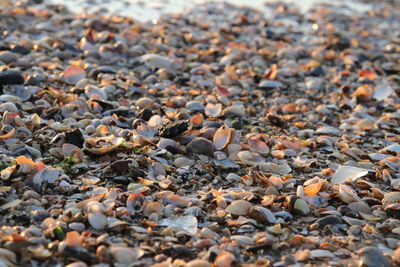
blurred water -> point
(151, 10)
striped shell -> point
(392, 197)
(231, 148)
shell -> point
(360, 206)
(250, 158)
(313, 189)
(258, 146)
(347, 173)
(97, 220)
(223, 137)
(347, 194)
(392, 197)
(262, 215)
(126, 255)
(231, 148)
(152, 207)
(213, 110)
(238, 207)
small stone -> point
(8, 106)
(268, 84)
(7, 57)
(195, 106)
(11, 77)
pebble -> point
(7, 57)
(11, 77)
(372, 257)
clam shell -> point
(347, 194)
(238, 207)
(360, 207)
(126, 255)
(231, 148)
(223, 137)
(347, 173)
(391, 162)
(258, 146)
(213, 110)
(152, 207)
(97, 220)
(392, 197)
(250, 158)
(313, 189)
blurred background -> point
(147, 10)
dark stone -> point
(11, 77)
(145, 114)
(20, 49)
(120, 166)
(174, 129)
(40, 215)
(74, 137)
(328, 220)
(178, 252)
(77, 253)
(127, 113)
(277, 121)
(317, 71)
(121, 180)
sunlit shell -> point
(347, 194)
(231, 148)
(177, 201)
(144, 102)
(247, 179)
(276, 181)
(238, 207)
(363, 92)
(97, 220)
(392, 197)
(224, 259)
(233, 111)
(313, 189)
(223, 137)
(347, 173)
(391, 162)
(73, 74)
(197, 263)
(126, 255)
(258, 146)
(197, 120)
(108, 145)
(152, 207)
(7, 135)
(73, 238)
(213, 110)
(300, 206)
(250, 158)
